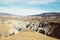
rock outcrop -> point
(48, 25)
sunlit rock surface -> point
(10, 24)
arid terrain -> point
(9, 26)
(28, 35)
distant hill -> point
(6, 14)
(48, 14)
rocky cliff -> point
(17, 24)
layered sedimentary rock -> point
(46, 28)
(46, 24)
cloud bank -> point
(19, 10)
(28, 1)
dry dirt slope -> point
(28, 35)
(4, 28)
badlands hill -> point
(49, 17)
(6, 19)
(48, 14)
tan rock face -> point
(19, 26)
(12, 26)
(16, 26)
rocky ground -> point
(25, 28)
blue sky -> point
(29, 7)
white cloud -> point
(39, 1)
(23, 11)
(8, 1)
(28, 1)
(20, 11)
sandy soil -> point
(28, 35)
(4, 28)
